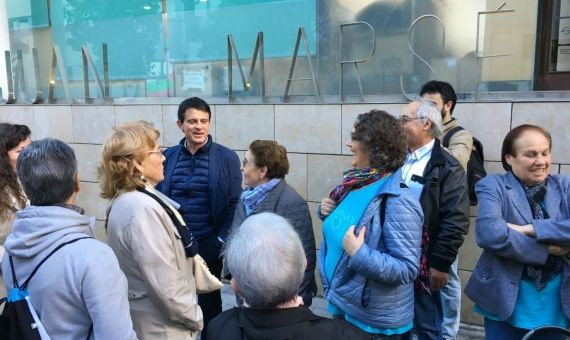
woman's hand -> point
(558, 250)
(352, 243)
(327, 206)
(527, 230)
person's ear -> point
(509, 159)
(138, 167)
(263, 172)
(179, 123)
(235, 287)
(76, 185)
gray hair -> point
(428, 111)
(47, 170)
(266, 259)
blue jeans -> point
(500, 330)
(451, 303)
(428, 315)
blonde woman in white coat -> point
(143, 232)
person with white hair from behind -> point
(267, 261)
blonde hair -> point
(127, 143)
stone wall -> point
(314, 135)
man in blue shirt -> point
(205, 179)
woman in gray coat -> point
(264, 168)
(153, 245)
(522, 279)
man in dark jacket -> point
(267, 261)
(205, 179)
(439, 182)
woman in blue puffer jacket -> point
(370, 253)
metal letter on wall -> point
(20, 84)
(11, 96)
(57, 61)
(301, 35)
(103, 87)
(499, 10)
(246, 83)
(410, 29)
(354, 62)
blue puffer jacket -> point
(376, 286)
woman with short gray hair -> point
(266, 258)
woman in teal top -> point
(369, 256)
(522, 279)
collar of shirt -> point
(416, 162)
(203, 149)
(421, 152)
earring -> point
(142, 178)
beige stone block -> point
(297, 177)
(92, 123)
(53, 121)
(238, 125)
(88, 159)
(99, 231)
(494, 168)
(317, 223)
(171, 132)
(554, 117)
(488, 122)
(469, 252)
(467, 314)
(350, 112)
(89, 199)
(324, 173)
(18, 114)
(565, 169)
(309, 128)
(133, 113)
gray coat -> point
(284, 201)
(494, 284)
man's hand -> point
(327, 206)
(437, 279)
(558, 250)
(527, 229)
(352, 243)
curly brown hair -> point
(270, 154)
(10, 136)
(382, 138)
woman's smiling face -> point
(360, 158)
(532, 158)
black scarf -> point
(540, 275)
(188, 242)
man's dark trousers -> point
(211, 303)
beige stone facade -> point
(314, 135)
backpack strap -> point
(449, 134)
(41, 262)
(14, 280)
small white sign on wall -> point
(193, 80)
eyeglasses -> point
(406, 119)
(245, 162)
(159, 152)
